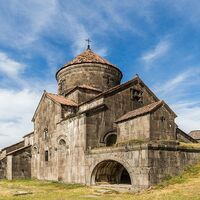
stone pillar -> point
(9, 167)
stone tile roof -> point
(28, 134)
(120, 87)
(21, 143)
(89, 88)
(195, 134)
(140, 111)
(12, 152)
(84, 87)
(88, 56)
(186, 137)
(60, 99)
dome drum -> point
(100, 76)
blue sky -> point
(157, 39)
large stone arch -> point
(118, 161)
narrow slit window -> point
(46, 134)
(46, 156)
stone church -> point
(96, 130)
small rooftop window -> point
(136, 95)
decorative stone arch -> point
(64, 137)
(62, 143)
(119, 165)
(62, 140)
(110, 138)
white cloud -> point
(17, 108)
(188, 115)
(68, 22)
(178, 92)
(10, 67)
(28, 19)
(156, 53)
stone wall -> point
(147, 164)
(117, 104)
(65, 145)
(21, 164)
(169, 160)
(49, 114)
(28, 139)
(134, 129)
(100, 76)
(134, 160)
(163, 126)
(3, 165)
(80, 95)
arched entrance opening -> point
(110, 172)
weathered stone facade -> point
(98, 131)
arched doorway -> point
(110, 172)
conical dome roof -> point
(89, 69)
(88, 56)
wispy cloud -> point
(9, 66)
(177, 91)
(180, 82)
(156, 53)
(188, 115)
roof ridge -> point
(61, 99)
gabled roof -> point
(185, 135)
(142, 111)
(120, 88)
(61, 100)
(16, 144)
(195, 134)
(57, 99)
(84, 87)
(28, 134)
(14, 151)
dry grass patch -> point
(183, 187)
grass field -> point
(183, 187)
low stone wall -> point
(147, 164)
(169, 160)
(19, 164)
(3, 168)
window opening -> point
(136, 95)
(46, 134)
(46, 156)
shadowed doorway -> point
(111, 172)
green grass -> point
(183, 187)
(190, 172)
(190, 145)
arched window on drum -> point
(110, 139)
